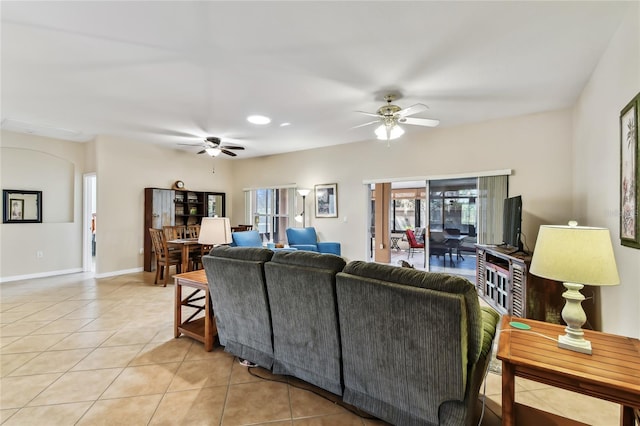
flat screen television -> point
(512, 223)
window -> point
(269, 210)
(408, 209)
(452, 204)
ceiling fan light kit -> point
(386, 133)
(390, 115)
(214, 152)
(212, 146)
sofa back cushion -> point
(434, 281)
(306, 339)
(414, 327)
(240, 303)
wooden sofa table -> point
(201, 328)
(611, 373)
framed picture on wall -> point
(21, 206)
(629, 174)
(327, 200)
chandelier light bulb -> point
(395, 133)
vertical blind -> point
(492, 190)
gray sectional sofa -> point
(410, 347)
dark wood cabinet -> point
(170, 207)
(503, 281)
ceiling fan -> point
(212, 146)
(390, 116)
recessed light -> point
(258, 119)
(285, 124)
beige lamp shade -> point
(575, 254)
(215, 231)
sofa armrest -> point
(329, 247)
(490, 320)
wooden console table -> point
(203, 329)
(612, 372)
(503, 281)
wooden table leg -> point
(177, 320)
(185, 258)
(508, 395)
(208, 332)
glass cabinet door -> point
(215, 204)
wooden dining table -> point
(186, 245)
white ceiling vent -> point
(49, 131)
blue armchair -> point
(251, 239)
(246, 239)
(307, 239)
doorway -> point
(89, 223)
(442, 208)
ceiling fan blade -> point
(366, 124)
(190, 144)
(231, 153)
(232, 147)
(202, 152)
(413, 109)
(429, 122)
(372, 114)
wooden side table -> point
(612, 372)
(203, 329)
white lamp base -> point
(574, 316)
(567, 342)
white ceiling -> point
(175, 71)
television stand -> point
(503, 281)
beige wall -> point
(124, 168)
(596, 174)
(54, 167)
(536, 147)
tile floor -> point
(85, 351)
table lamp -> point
(303, 193)
(575, 255)
(215, 231)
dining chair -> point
(193, 231)
(413, 243)
(164, 257)
(175, 232)
(241, 228)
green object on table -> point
(520, 325)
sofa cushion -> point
(311, 259)
(240, 303)
(435, 281)
(306, 338)
(415, 347)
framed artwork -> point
(17, 208)
(629, 174)
(327, 200)
(22, 206)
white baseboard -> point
(66, 272)
(40, 275)
(121, 272)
